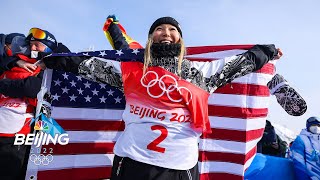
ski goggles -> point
(37, 33)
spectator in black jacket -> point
(271, 144)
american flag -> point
(91, 114)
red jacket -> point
(15, 113)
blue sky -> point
(292, 26)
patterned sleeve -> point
(298, 157)
(218, 73)
(214, 74)
(102, 71)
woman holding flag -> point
(166, 100)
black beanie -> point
(165, 20)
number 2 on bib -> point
(154, 144)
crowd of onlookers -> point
(304, 150)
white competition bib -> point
(13, 115)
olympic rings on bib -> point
(168, 90)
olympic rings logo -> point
(41, 159)
(161, 84)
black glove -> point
(261, 55)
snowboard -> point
(288, 98)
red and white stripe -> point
(89, 153)
(237, 115)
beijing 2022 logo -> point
(47, 131)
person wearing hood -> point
(5, 48)
(270, 143)
(305, 151)
(166, 101)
